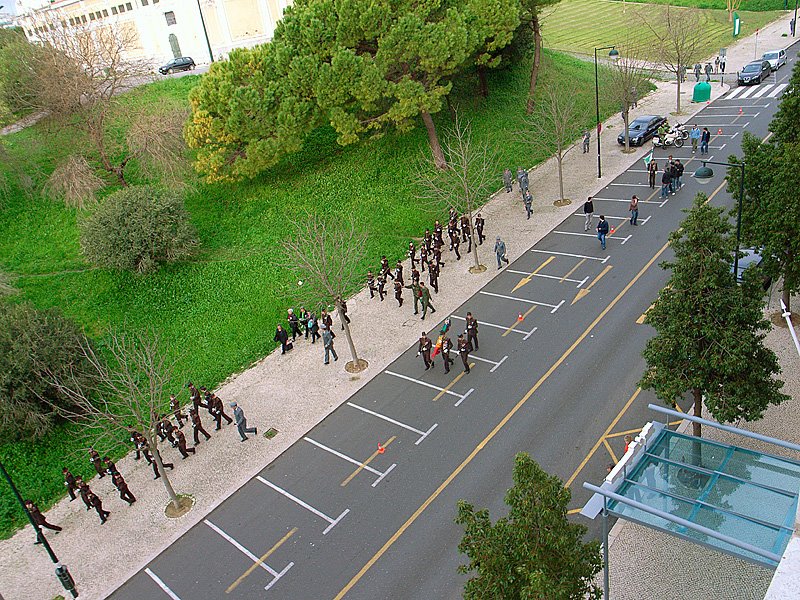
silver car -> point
(775, 58)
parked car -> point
(775, 58)
(641, 129)
(754, 72)
(751, 257)
(182, 63)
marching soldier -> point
(122, 488)
(398, 293)
(454, 246)
(208, 403)
(166, 465)
(412, 254)
(168, 429)
(425, 299)
(180, 443)
(472, 331)
(527, 200)
(381, 286)
(175, 407)
(447, 345)
(424, 348)
(437, 232)
(423, 256)
(415, 292)
(427, 240)
(508, 180)
(194, 396)
(463, 350)
(370, 285)
(219, 411)
(97, 463)
(111, 468)
(84, 491)
(97, 503)
(452, 232)
(414, 275)
(343, 305)
(69, 481)
(398, 272)
(38, 518)
(479, 224)
(385, 271)
(437, 256)
(466, 232)
(197, 425)
(433, 274)
(142, 446)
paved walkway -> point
(135, 535)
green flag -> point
(648, 159)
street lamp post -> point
(205, 32)
(614, 55)
(703, 175)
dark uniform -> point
(438, 233)
(175, 407)
(412, 254)
(197, 424)
(423, 256)
(437, 256)
(165, 464)
(294, 324)
(398, 272)
(463, 350)
(84, 491)
(479, 224)
(381, 286)
(414, 275)
(38, 517)
(385, 271)
(194, 396)
(472, 330)
(466, 232)
(69, 481)
(433, 274)
(111, 468)
(122, 488)
(398, 293)
(180, 443)
(97, 463)
(454, 246)
(97, 503)
(424, 348)
(219, 411)
(447, 345)
(370, 285)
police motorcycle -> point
(672, 137)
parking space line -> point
(527, 334)
(554, 307)
(630, 184)
(584, 291)
(602, 260)
(261, 560)
(491, 362)
(398, 423)
(241, 548)
(572, 270)
(625, 200)
(518, 321)
(527, 278)
(446, 389)
(162, 585)
(331, 522)
(609, 237)
(643, 221)
(425, 383)
(560, 279)
(464, 397)
(363, 465)
(358, 463)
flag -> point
(648, 159)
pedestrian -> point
(415, 275)
(398, 272)
(305, 316)
(792, 24)
(343, 306)
(381, 288)
(588, 213)
(671, 168)
(705, 138)
(463, 351)
(97, 503)
(412, 254)
(194, 396)
(327, 341)
(425, 299)
(433, 276)
(398, 293)
(678, 172)
(716, 65)
(522, 178)
(587, 137)
(241, 420)
(313, 325)
(666, 181)
(111, 468)
(722, 65)
(500, 252)
(454, 244)
(283, 338)
(628, 441)
(466, 232)
(694, 136)
(69, 482)
(480, 222)
(122, 488)
(175, 407)
(166, 465)
(97, 462)
(652, 169)
(682, 73)
(447, 346)
(166, 429)
(508, 180)
(294, 324)
(424, 348)
(633, 207)
(38, 518)
(602, 231)
(415, 293)
(634, 98)
(197, 426)
(527, 199)
(180, 444)
(385, 271)
(84, 491)
(219, 411)
(472, 331)
(708, 70)
(697, 70)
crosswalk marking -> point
(769, 90)
(778, 89)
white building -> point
(164, 29)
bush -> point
(136, 229)
(32, 341)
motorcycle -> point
(672, 138)
(682, 129)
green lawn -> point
(218, 313)
(581, 25)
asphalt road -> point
(560, 384)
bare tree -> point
(680, 34)
(130, 381)
(630, 76)
(326, 255)
(467, 180)
(75, 181)
(732, 6)
(558, 118)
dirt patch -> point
(185, 504)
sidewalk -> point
(134, 535)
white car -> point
(775, 58)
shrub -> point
(32, 341)
(136, 229)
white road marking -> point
(734, 135)
(357, 463)
(242, 549)
(491, 362)
(626, 200)
(764, 89)
(749, 91)
(731, 95)
(609, 237)
(502, 360)
(546, 276)
(602, 260)
(555, 307)
(526, 334)
(630, 184)
(394, 422)
(727, 106)
(425, 383)
(162, 585)
(778, 89)
(308, 507)
(464, 397)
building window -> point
(129, 6)
(113, 10)
(72, 22)
(83, 18)
(105, 13)
(91, 16)
(170, 17)
(156, 1)
(144, 2)
(121, 8)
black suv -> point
(641, 129)
(182, 63)
(754, 72)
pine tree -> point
(710, 330)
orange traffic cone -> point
(381, 449)
(719, 131)
(740, 110)
(520, 317)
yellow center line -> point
(610, 450)
(572, 270)
(517, 322)
(574, 511)
(366, 462)
(617, 434)
(451, 384)
(258, 563)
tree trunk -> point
(625, 123)
(483, 85)
(786, 297)
(152, 442)
(347, 334)
(474, 241)
(560, 160)
(537, 57)
(433, 140)
(678, 98)
(698, 411)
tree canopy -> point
(785, 125)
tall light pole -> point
(205, 32)
(614, 55)
(703, 175)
